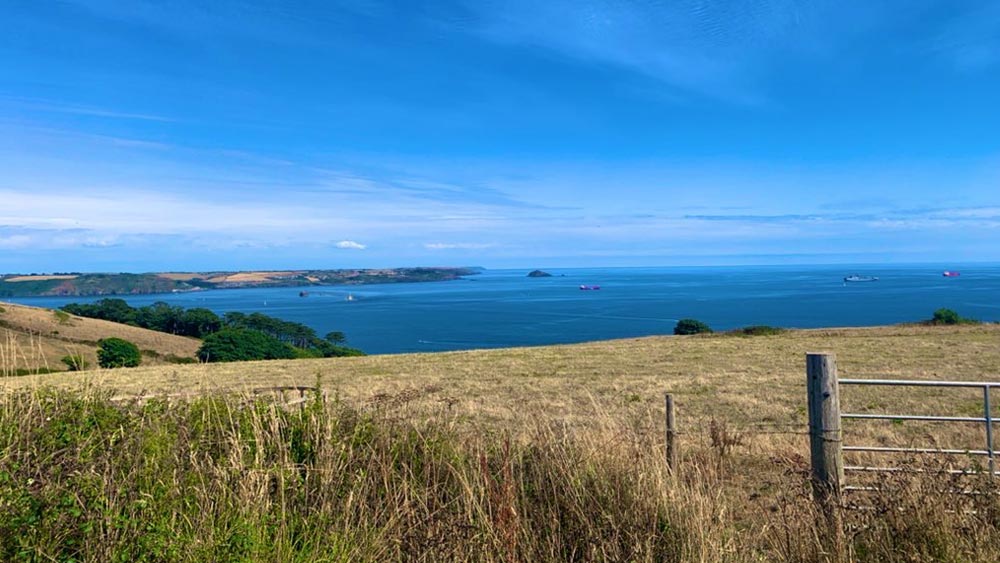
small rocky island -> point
(539, 274)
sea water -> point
(501, 308)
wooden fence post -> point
(671, 429)
(825, 445)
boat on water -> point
(303, 294)
(589, 287)
(350, 297)
(858, 278)
(950, 274)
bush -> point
(118, 353)
(946, 317)
(759, 330)
(691, 326)
(75, 362)
(949, 317)
(241, 344)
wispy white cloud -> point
(45, 105)
(715, 48)
(12, 242)
(984, 217)
(351, 245)
(112, 209)
(459, 245)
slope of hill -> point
(32, 338)
(745, 378)
(80, 284)
(463, 433)
(88, 284)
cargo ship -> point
(857, 278)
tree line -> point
(232, 337)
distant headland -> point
(93, 284)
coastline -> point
(154, 283)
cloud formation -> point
(351, 245)
(458, 245)
(722, 49)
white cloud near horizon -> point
(350, 244)
(458, 245)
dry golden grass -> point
(753, 385)
(741, 401)
(43, 336)
(250, 277)
(180, 276)
(39, 278)
(739, 379)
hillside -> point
(535, 454)
(742, 378)
(89, 284)
(32, 338)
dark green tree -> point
(691, 326)
(117, 353)
(330, 350)
(199, 323)
(160, 316)
(240, 344)
(111, 309)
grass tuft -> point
(88, 476)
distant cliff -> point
(36, 285)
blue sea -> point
(502, 308)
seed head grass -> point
(532, 454)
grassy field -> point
(33, 338)
(39, 278)
(530, 454)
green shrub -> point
(691, 326)
(949, 317)
(946, 317)
(75, 362)
(241, 344)
(118, 353)
(759, 330)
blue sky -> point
(235, 134)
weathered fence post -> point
(671, 429)
(825, 445)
